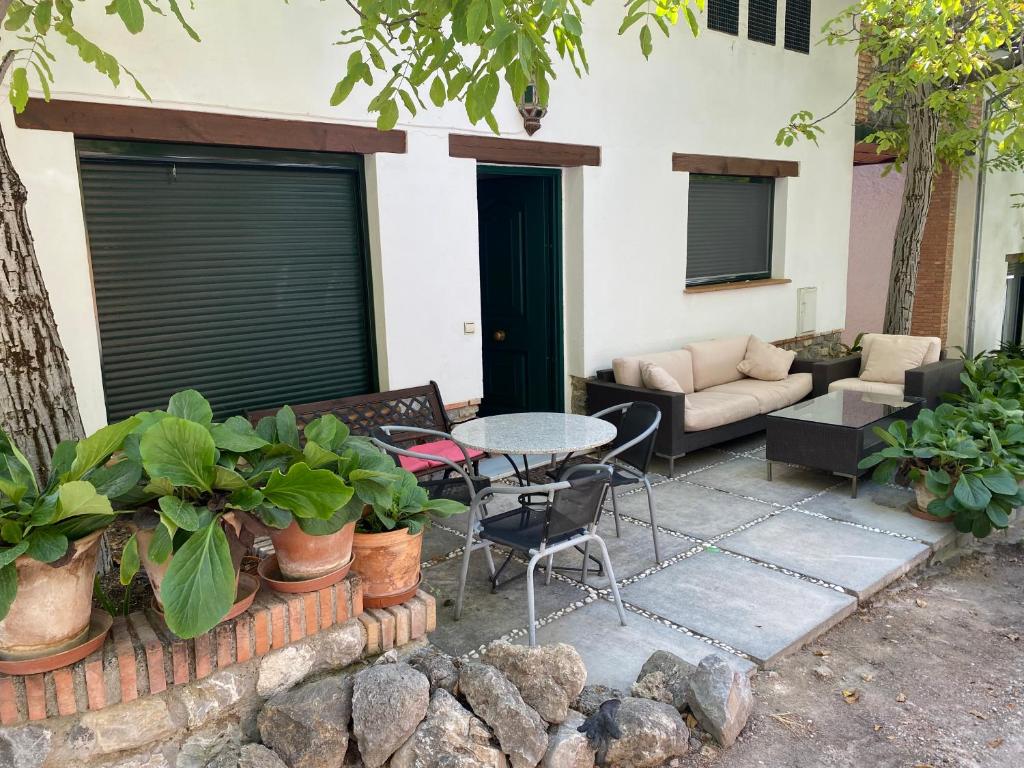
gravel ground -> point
(930, 674)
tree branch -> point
(6, 64)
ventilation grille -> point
(798, 25)
(761, 21)
(724, 16)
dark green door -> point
(238, 273)
(520, 292)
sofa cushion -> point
(715, 361)
(932, 355)
(887, 358)
(765, 361)
(770, 395)
(656, 377)
(705, 410)
(860, 385)
(677, 363)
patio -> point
(751, 568)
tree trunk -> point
(919, 170)
(38, 407)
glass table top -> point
(534, 433)
(846, 408)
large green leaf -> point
(15, 469)
(307, 492)
(317, 456)
(129, 561)
(314, 526)
(96, 449)
(328, 431)
(77, 527)
(79, 497)
(116, 479)
(46, 545)
(1000, 481)
(236, 435)
(61, 461)
(181, 513)
(971, 492)
(181, 451)
(199, 588)
(189, 404)
(225, 479)
(287, 429)
(8, 588)
(162, 543)
(9, 555)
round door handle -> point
(499, 335)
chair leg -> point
(615, 514)
(611, 579)
(490, 561)
(530, 608)
(586, 562)
(654, 522)
(551, 570)
(464, 570)
(671, 466)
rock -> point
(549, 677)
(652, 733)
(438, 667)
(720, 698)
(593, 696)
(133, 725)
(215, 747)
(281, 669)
(567, 747)
(822, 672)
(308, 725)
(258, 756)
(25, 747)
(664, 677)
(449, 736)
(521, 732)
(213, 696)
(388, 702)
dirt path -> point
(930, 674)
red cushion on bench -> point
(446, 448)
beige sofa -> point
(932, 346)
(717, 402)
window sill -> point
(735, 286)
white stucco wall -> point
(874, 212)
(624, 221)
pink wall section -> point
(875, 208)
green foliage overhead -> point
(950, 55)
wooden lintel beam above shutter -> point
(119, 122)
(719, 165)
(492, 149)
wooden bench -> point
(412, 407)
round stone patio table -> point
(533, 434)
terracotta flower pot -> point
(53, 606)
(923, 497)
(302, 556)
(388, 564)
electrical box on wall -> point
(806, 310)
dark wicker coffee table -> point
(834, 432)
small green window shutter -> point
(246, 281)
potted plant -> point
(200, 479)
(51, 537)
(964, 463)
(389, 534)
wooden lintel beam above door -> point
(733, 166)
(120, 122)
(493, 149)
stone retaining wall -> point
(149, 699)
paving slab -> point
(694, 510)
(746, 477)
(488, 616)
(631, 553)
(861, 561)
(437, 543)
(691, 462)
(614, 654)
(760, 612)
(744, 444)
(882, 507)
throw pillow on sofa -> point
(765, 361)
(656, 377)
(890, 357)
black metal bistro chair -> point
(631, 452)
(551, 518)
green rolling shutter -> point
(241, 275)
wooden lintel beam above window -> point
(493, 149)
(91, 120)
(719, 165)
